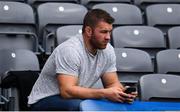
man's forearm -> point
(82, 93)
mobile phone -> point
(130, 90)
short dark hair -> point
(94, 16)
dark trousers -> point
(56, 103)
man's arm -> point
(69, 89)
(110, 79)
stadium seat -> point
(35, 3)
(174, 38)
(59, 14)
(65, 32)
(90, 3)
(159, 87)
(19, 70)
(24, 1)
(132, 64)
(144, 3)
(146, 38)
(17, 26)
(163, 16)
(168, 61)
(124, 14)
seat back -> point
(59, 14)
(132, 64)
(35, 3)
(18, 60)
(159, 87)
(24, 1)
(163, 16)
(144, 3)
(146, 38)
(174, 38)
(124, 14)
(65, 32)
(91, 3)
(168, 61)
(17, 26)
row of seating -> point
(147, 38)
(130, 62)
(18, 23)
(133, 63)
(91, 2)
(20, 69)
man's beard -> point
(96, 44)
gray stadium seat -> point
(90, 3)
(146, 38)
(159, 87)
(18, 71)
(59, 14)
(174, 38)
(163, 16)
(65, 32)
(168, 61)
(17, 26)
(144, 3)
(24, 1)
(124, 14)
(35, 3)
(132, 64)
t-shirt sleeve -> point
(111, 61)
(67, 61)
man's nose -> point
(108, 36)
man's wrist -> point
(103, 93)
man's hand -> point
(130, 99)
(117, 94)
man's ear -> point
(88, 31)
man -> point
(76, 65)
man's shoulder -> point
(72, 45)
(74, 42)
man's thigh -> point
(56, 102)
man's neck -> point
(88, 46)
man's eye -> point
(104, 32)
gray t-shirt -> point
(72, 58)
